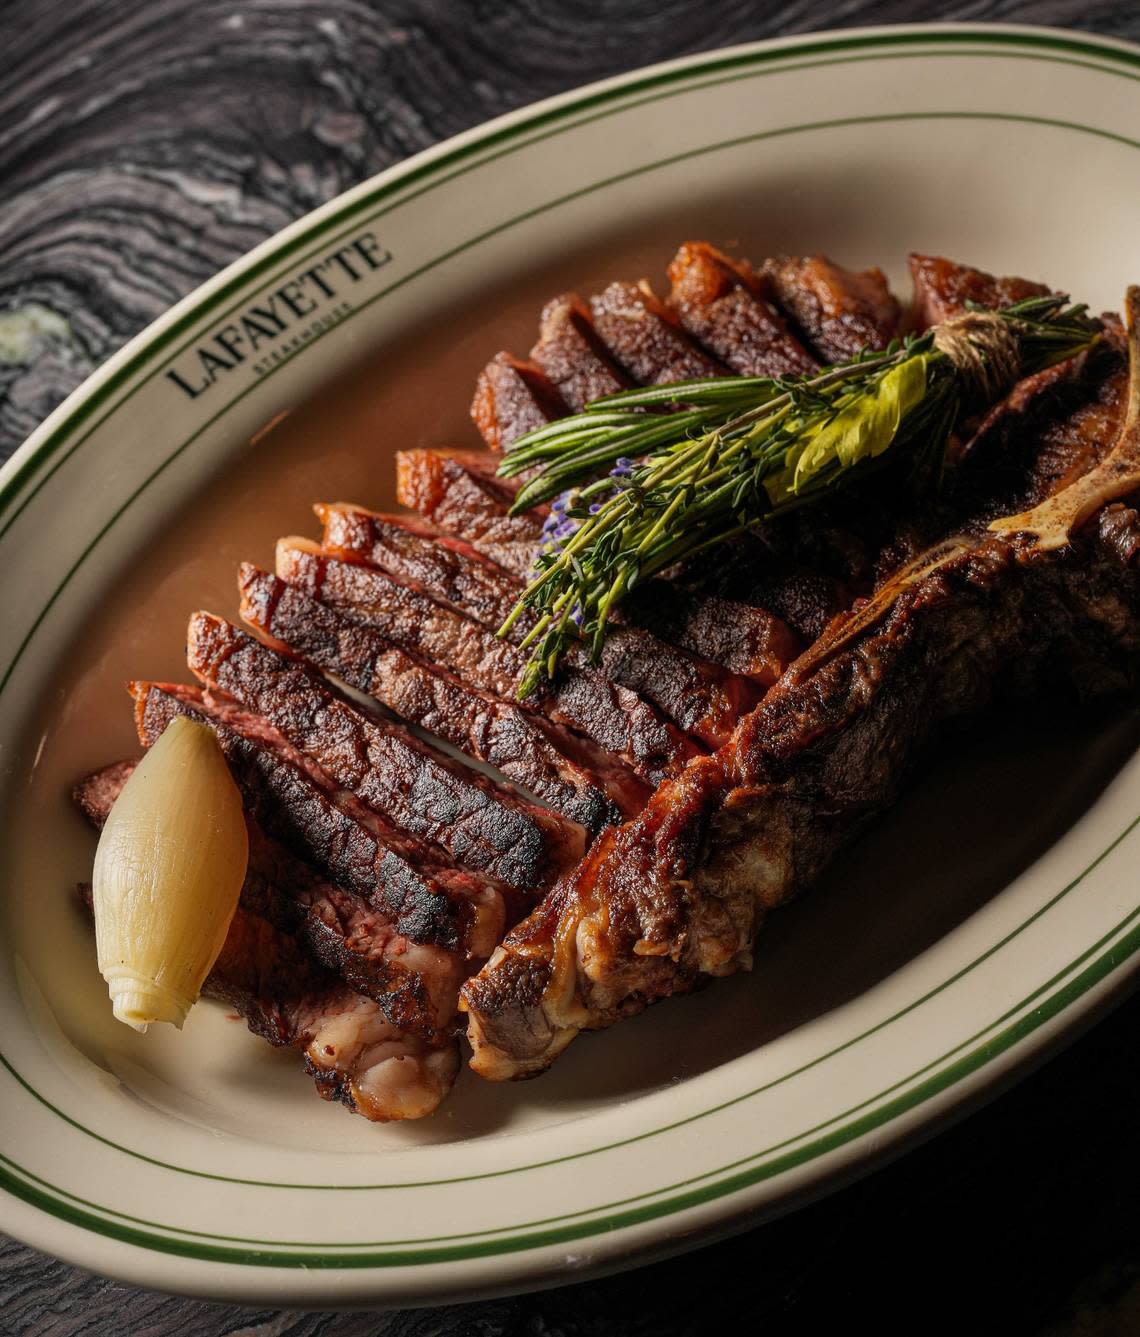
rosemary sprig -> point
(642, 483)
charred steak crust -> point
(513, 397)
(573, 357)
(484, 826)
(527, 749)
(679, 892)
(655, 649)
(582, 698)
(726, 306)
(644, 337)
(838, 312)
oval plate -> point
(202, 1163)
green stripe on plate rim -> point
(628, 93)
(1042, 1010)
(736, 141)
(654, 1132)
(28, 1192)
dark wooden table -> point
(145, 143)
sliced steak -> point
(724, 304)
(484, 826)
(439, 485)
(699, 696)
(459, 500)
(441, 566)
(512, 397)
(804, 596)
(582, 699)
(696, 692)
(944, 288)
(747, 639)
(839, 312)
(744, 639)
(401, 932)
(644, 337)
(582, 783)
(353, 1051)
(572, 356)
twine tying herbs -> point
(642, 483)
(984, 348)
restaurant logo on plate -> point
(270, 330)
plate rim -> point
(24, 469)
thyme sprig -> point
(647, 477)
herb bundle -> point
(648, 477)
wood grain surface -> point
(143, 145)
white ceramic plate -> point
(934, 965)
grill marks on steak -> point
(726, 306)
(483, 826)
(838, 311)
(398, 933)
(583, 699)
(513, 397)
(264, 972)
(581, 783)
(737, 635)
(572, 355)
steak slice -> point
(838, 311)
(744, 639)
(453, 497)
(444, 568)
(401, 932)
(484, 826)
(738, 635)
(353, 1051)
(580, 782)
(572, 356)
(699, 697)
(944, 288)
(581, 698)
(749, 568)
(696, 692)
(448, 489)
(643, 336)
(724, 304)
(677, 894)
(513, 397)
